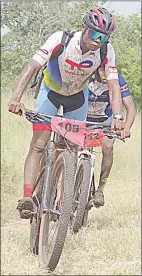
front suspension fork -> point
(51, 156)
(46, 184)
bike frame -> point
(76, 135)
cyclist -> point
(99, 100)
(65, 83)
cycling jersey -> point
(98, 98)
(67, 73)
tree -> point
(126, 41)
(31, 25)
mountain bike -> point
(84, 190)
(55, 186)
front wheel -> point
(54, 222)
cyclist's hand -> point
(125, 133)
(16, 107)
(117, 124)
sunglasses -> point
(95, 35)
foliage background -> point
(31, 23)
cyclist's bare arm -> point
(114, 88)
(40, 58)
(116, 101)
(27, 73)
(130, 115)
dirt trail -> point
(105, 250)
(18, 225)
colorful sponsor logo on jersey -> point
(44, 51)
(80, 66)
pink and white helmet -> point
(99, 19)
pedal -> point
(25, 214)
(54, 217)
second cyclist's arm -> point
(116, 101)
(130, 112)
(112, 81)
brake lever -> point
(94, 127)
(118, 137)
(114, 135)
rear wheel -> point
(88, 206)
(54, 223)
(81, 192)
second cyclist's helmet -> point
(99, 19)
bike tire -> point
(49, 258)
(91, 195)
(35, 220)
(83, 184)
(34, 235)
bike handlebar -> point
(35, 117)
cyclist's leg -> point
(41, 136)
(80, 113)
(107, 161)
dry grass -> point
(109, 245)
